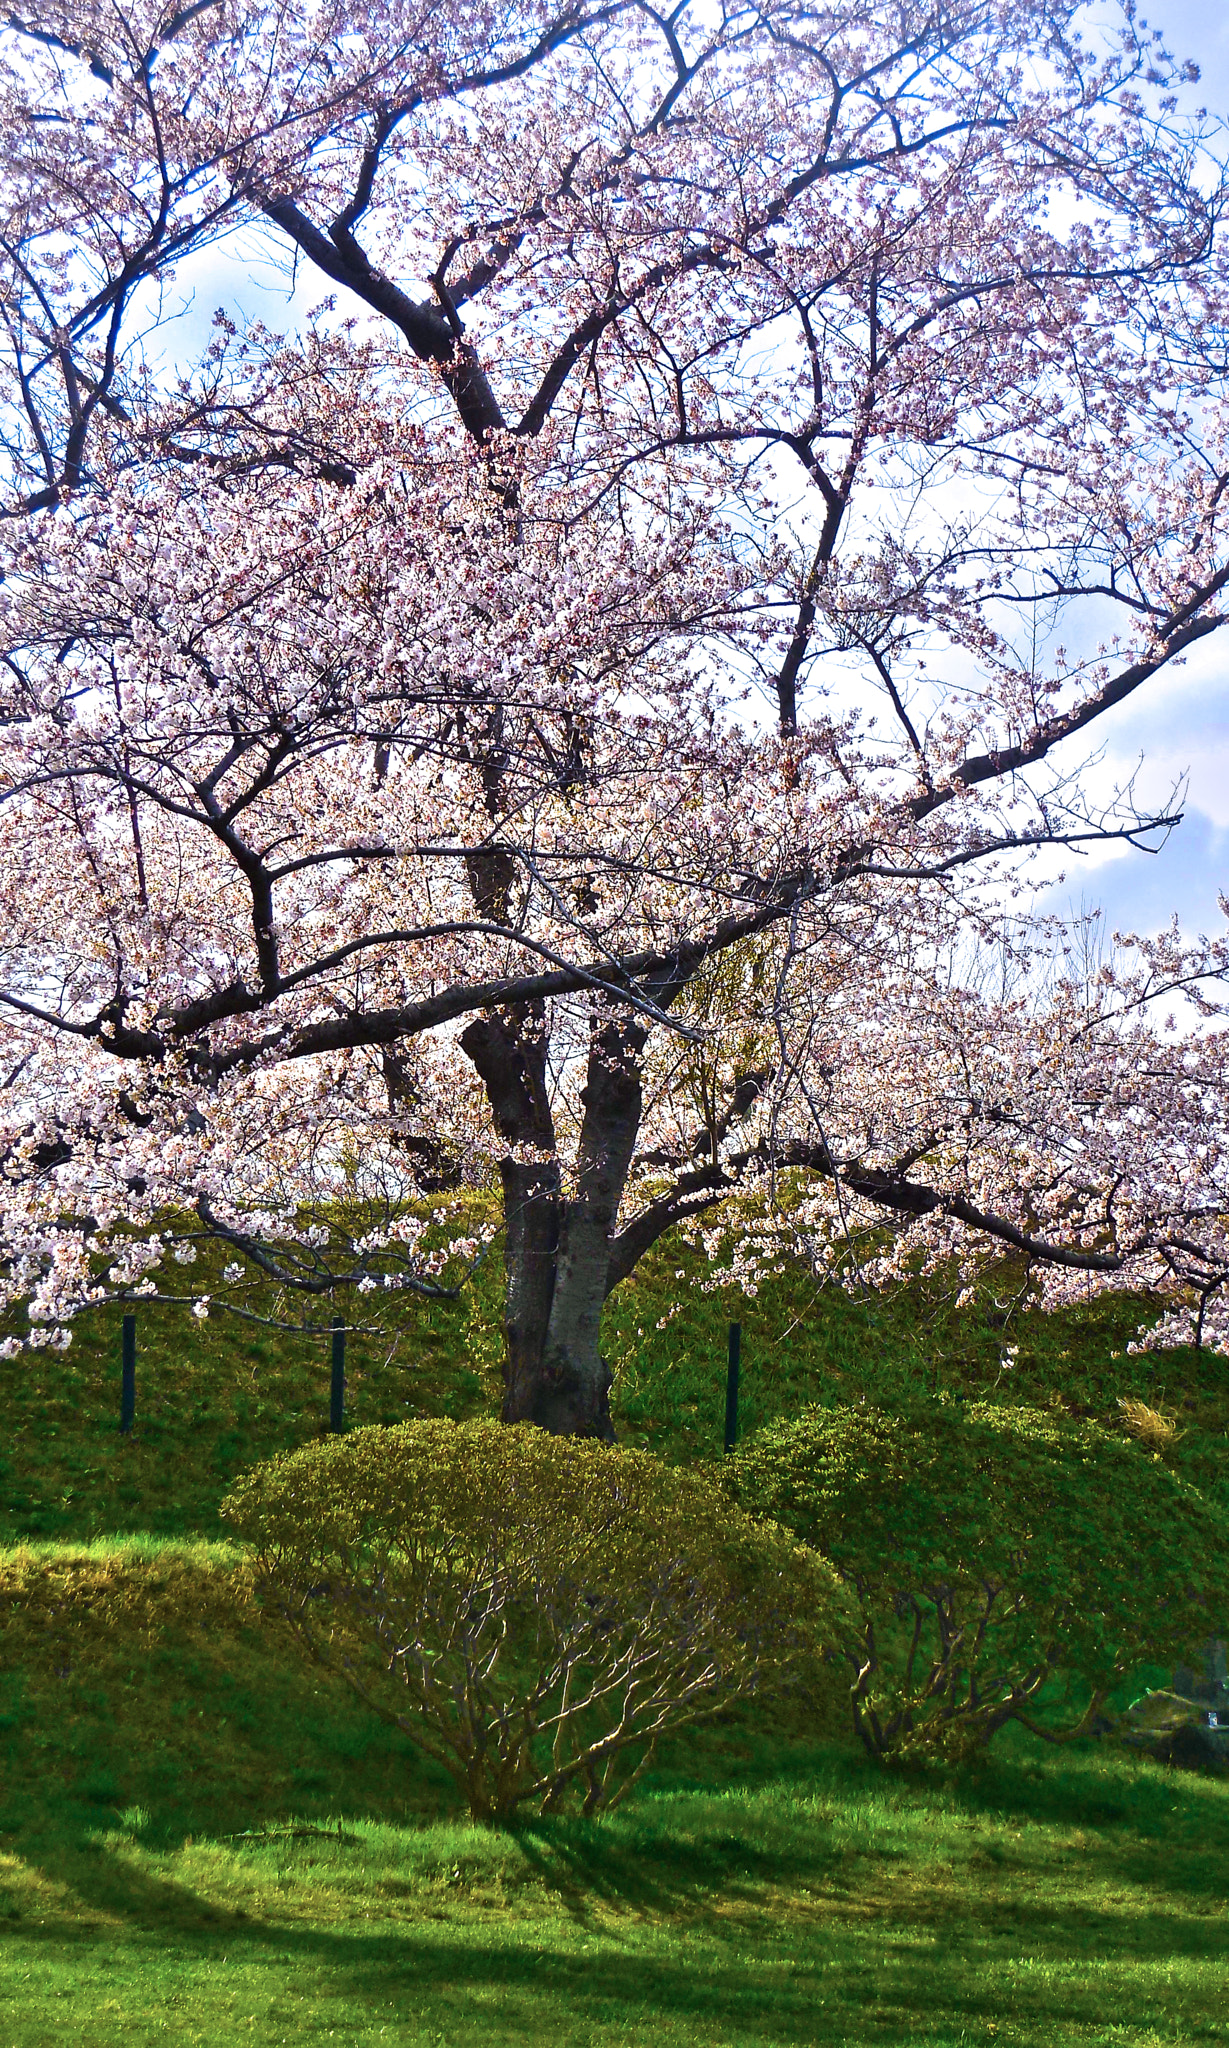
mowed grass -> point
(822, 1907)
(202, 1840)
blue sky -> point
(1179, 729)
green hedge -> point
(1002, 1563)
(533, 1611)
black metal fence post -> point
(128, 1382)
(337, 1391)
(731, 1386)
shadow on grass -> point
(829, 1902)
(757, 1886)
(804, 1976)
(834, 1828)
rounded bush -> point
(1002, 1563)
(534, 1611)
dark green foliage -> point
(534, 1611)
(1000, 1560)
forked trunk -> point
(557, 1248)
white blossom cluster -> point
(583, 727)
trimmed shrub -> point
(1003, 1563)
(533, 1611)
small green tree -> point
(533, 1611)
(988, 1552)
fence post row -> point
(731, 1386)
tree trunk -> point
(569, 1392)
(557, 1249)
(531, 1240)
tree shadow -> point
(811, 1978)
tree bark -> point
(509, 1051)
(531, 1239)
(557, 1247)
(574, 1389)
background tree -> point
(566, 716)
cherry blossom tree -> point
(563, 715)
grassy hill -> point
(204, 1840)
(214, 1397)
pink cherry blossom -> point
(583, 714)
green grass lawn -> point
(202, 1841)
(819, 1906)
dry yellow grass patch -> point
(1149, 1426)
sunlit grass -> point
(201, 1841)
(1037, 1905)
(139, 1545)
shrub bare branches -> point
(533, 1611)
